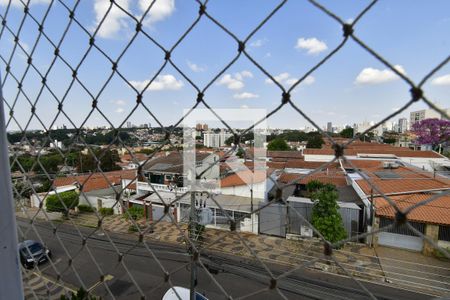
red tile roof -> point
(436, 212)
(95, 181)
(399, 152)
(133, 158)
(245, 177)
(336, 178)
(284, 155)
(301, 164)
(408, 185)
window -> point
(444, 233)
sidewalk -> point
(39, 287)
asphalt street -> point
(117, 266)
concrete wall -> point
(432, 232)
(259, 190)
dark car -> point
(33, 253)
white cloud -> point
(115, 20)
(312, 45)
(162, 82)
(244, 106)
(194, 67)
(18, 3)
(285, 78)
(119, 110)
(241, 75)
(245, 95)
(160, 10)
(258, 43)
(119, 102)
(236, 81)
(441, 80)
(230, 82)
(376, 76)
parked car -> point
(33, 253)
(178, 292)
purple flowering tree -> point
(434, 132)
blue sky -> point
(351, 87)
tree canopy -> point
(346, 133)
(278, 144)
(315, 142)
(432, 131)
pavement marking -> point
(108, 277)
(49, 265)
(49, 279)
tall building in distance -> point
(215, 140)
(402, 125)
(417, 116)
(129, 124)
(329, 127)
(201, 127)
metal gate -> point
(401, 237)
(272, 219)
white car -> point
(181, 294)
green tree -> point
(346, 133)
(134, 212)
(55, 202)
(278, 144)
(315, 141)
(108, 159)
(240, 153)
(325, 214)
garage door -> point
(158, 212)
(400, 241)
(401, 237)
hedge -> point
(55, 202)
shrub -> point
(133, 228)
(106, 211)
(55, 202)
(85, 208)
(134, 212)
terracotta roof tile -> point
(244, 177)
(95, 181)
(399, 152)
(284, 154)
(301, 164)
(436, 212)
(408, 185)
(336, 178)
(136, 156)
